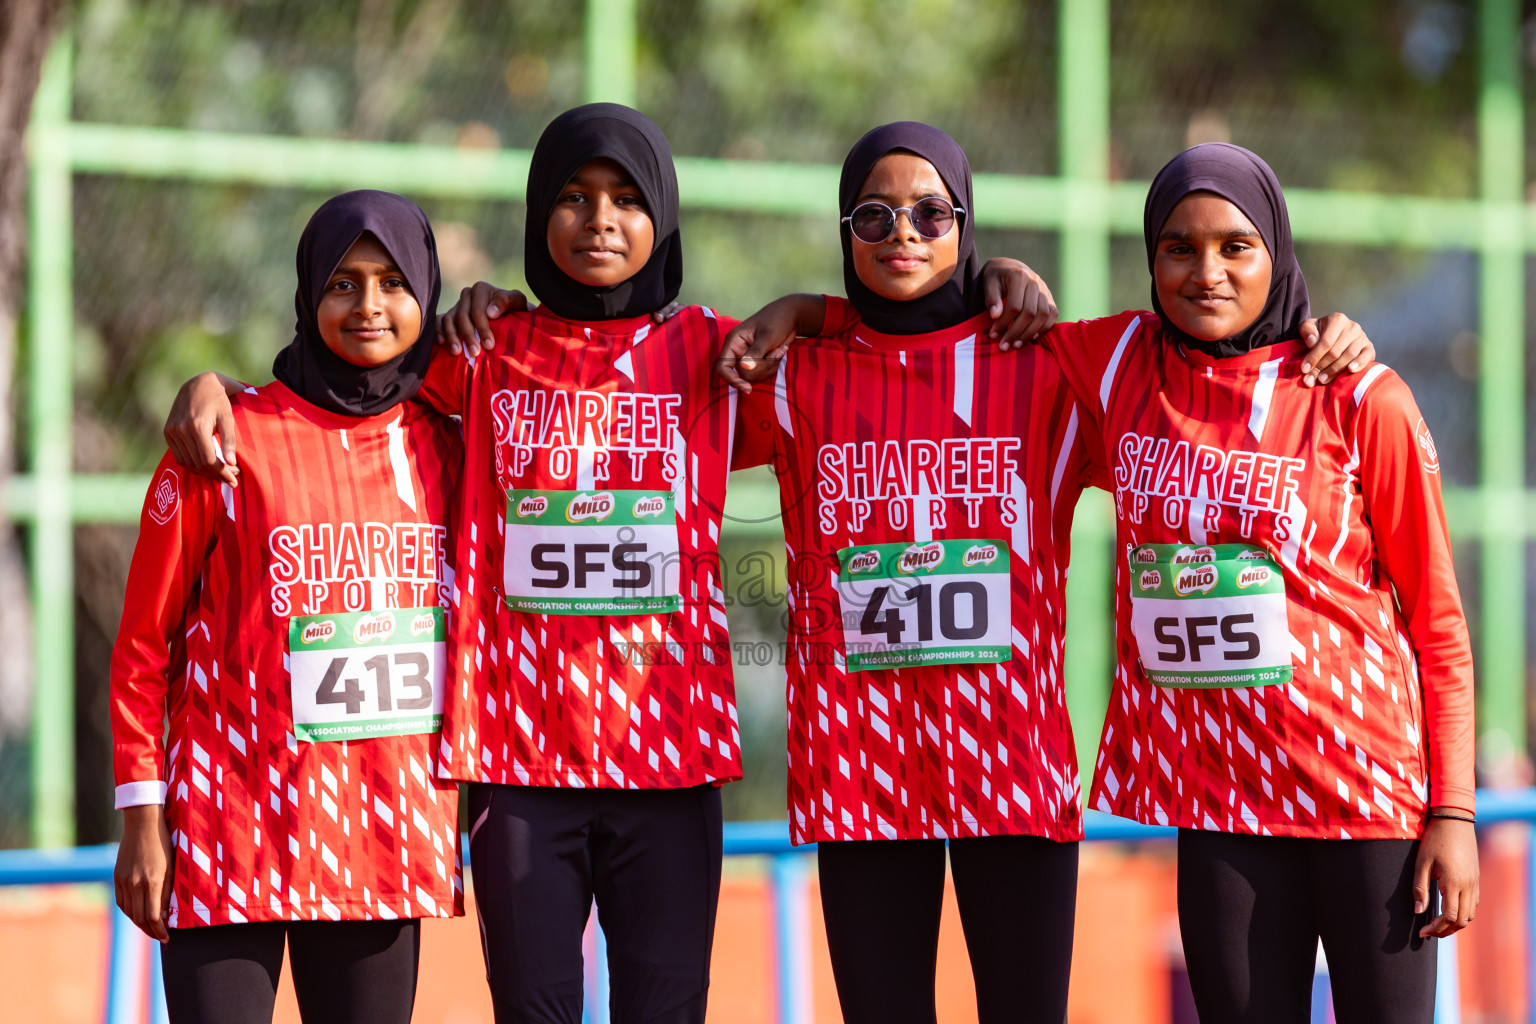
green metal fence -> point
(1080, 203)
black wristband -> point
(1452, 817)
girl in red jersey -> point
(292, 631)
(1294, 687)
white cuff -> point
(137, 794)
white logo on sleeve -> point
(164, 496)
(1427, 452)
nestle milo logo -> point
(1253, 576)
(1145, 555)
(1150, 579)
(589, 506)
(533, 505)
(1252, 555)
(373, 627)
(315, 632)
(1193, 556)
(423, 623)
(650, 505)
(1195, 579)
(979, 554)
(864, 561)
(921, 558)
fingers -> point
(504, 301)
(145, 901)
(759, 359)
(1352, 355)
(448, 333)
(736, 343)
(667, 312)
(464, 324)
(1009, 308)
(1038, 315)
(992, 298)
(1421, 880)
(486, 303)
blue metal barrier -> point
(133, 961)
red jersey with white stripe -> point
(924, 459)
(591, 646)
(1338, 487)
(337, 520)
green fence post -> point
(610, 51)
(1501, 388)
(1083, 111)
(50, 403)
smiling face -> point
(368, 314)
(1211, 268)
(600, 233)
(905, 266)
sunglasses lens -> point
(933, 218)
(872, 223)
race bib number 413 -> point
(592, 553)
(1212, 616)
(358, 675)
(906, 605)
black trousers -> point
(650, 858)
(351, 972)
(1251, 912)
(882, 901)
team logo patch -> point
(1427, 452)
(1150, 579)
(1196, 579)
(921, 558)
(373, 627)
(533, 505)
(165, 496)
(980, 554)
(315, 632)
(589, 506)
(864, 561)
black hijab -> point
(309, 368)
(635, 143)
(1243, 179)
(959, 298)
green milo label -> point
(1188, 571)
(349, 630)
(904, 560)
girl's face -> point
(906, 265)
(600, 233)
(1210, 268)
(368, 314)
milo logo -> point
(533, 505)
(651, 505)
(423, 623)
(921, 558)
(373, 627)
(315, 632)
(589, 506)
(1193, 556)
(979, 554)
(864, 561)
(1252, 555)
(1150, 579)
(1199, 579)
(1145, 555)
(1253, 576)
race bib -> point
(358, 675)
(1211, 616)
(906, 605)
(592, 553)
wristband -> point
(1452, 817)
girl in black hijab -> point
(281, 744)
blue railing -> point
(133, 974)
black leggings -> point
(539, 856)
(348, 972)
(1251, 911)
(882, 899)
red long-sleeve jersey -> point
(291, 630)
(927, 484)
(591, 646)
(1263, 529)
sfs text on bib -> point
(1211, 616)
(592, 553)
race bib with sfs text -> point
(360, 675)
(592, 553)
(1209, 616)
(936, 603)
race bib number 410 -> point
(592, 553)
(358, 675)
(906, 605)
(1212, 616)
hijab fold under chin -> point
(957, 299)
(634, 142)
(1245, 180)
(307, 365)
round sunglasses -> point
(874, 222)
